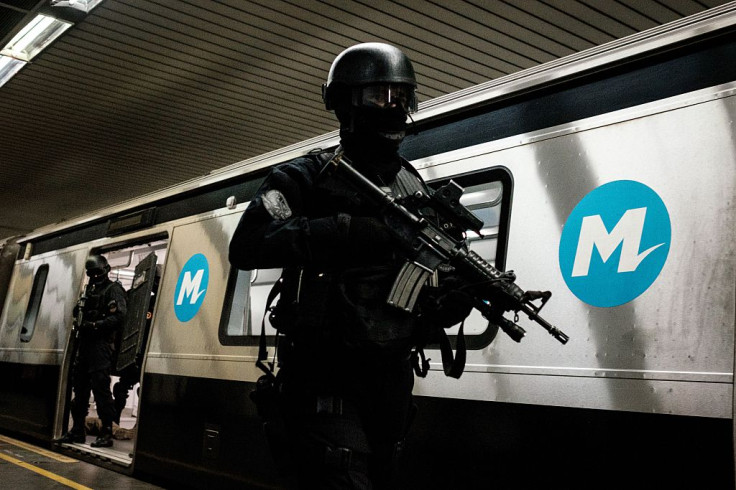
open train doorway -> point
(138, 269)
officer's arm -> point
(446, 305)
(274, 231)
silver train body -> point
(625, 211)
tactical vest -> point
(95, 307)
(348, 306)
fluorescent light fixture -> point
(34, 37)
(8, 68)
(83, 5)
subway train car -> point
(607, 178)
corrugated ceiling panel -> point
(661, 13)
(515, 15)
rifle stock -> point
(428, 246)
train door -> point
(137, 268)
(8, 255)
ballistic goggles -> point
(386, 95)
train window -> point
(34, 303)
(244, 308)
(487, 195)
(235, 323)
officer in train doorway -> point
(344, 387)
(99, 315)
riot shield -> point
(133, 334)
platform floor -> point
(24, 466)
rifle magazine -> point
(408, 285)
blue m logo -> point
(627, 233)
(615, 243)
(191, 287)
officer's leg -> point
(79, 406)
(387, 424)
(328, 444)
(80, 402)
(120, 395)
(105, 407)
(324, 434)
(128, 378)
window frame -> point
(34, 303)
(465, 180)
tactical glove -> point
(369, 237)
(447, 305)
(88, 326)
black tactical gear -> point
(103, 313)
(344, 388)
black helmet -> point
(369, 64)
(96, 266)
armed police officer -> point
(101, 311)
(346, 375)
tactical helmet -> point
(369, 64)
(96, 265)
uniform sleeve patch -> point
(276, 205)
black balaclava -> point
(96, 276)
(371, 138)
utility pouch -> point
(302, 301)
(265, 396)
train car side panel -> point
(669, 347)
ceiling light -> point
(8, 68)
(83, 5)
(34, 37)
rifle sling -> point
(262, 350)
(453, 365)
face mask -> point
(387, 124)
(374, 135)
(96, 276)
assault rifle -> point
(79, 317)
(431, 246)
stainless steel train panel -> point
(669, 350)
(62, 287)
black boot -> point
(71, 437)
(104, 439)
